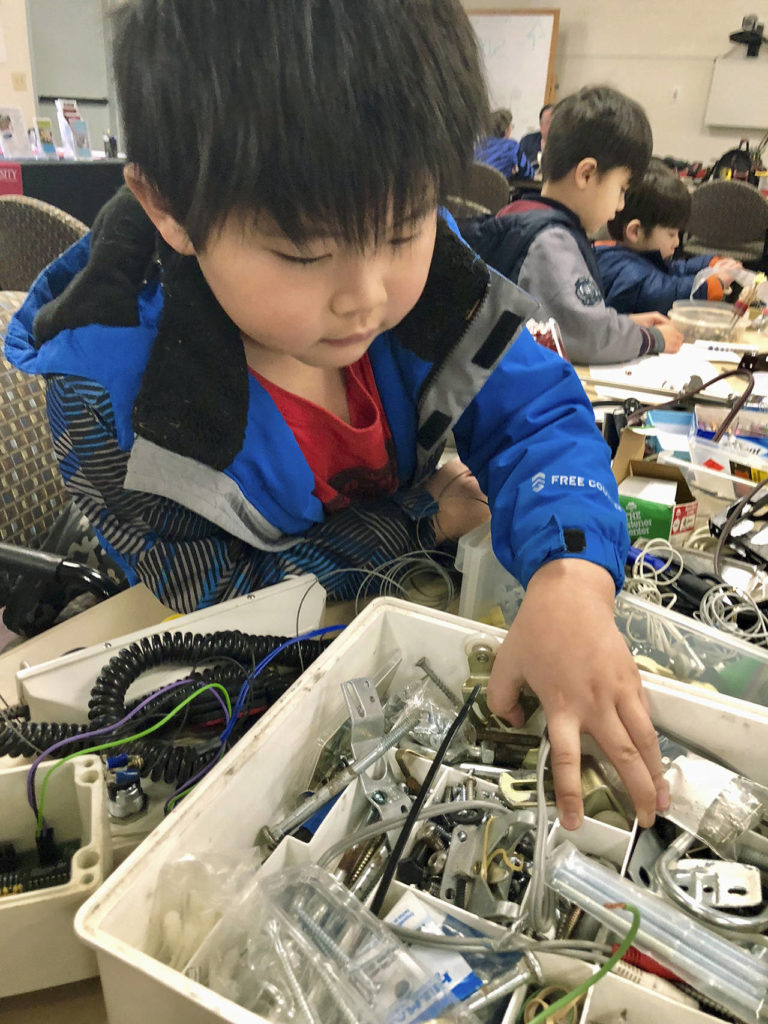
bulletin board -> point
(518, 48)
(738, 95)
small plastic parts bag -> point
(302, 948)
(434, 717)
(191, 895)
(713, 803)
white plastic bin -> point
(260, 778)
(38, 945)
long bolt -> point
(293, 981)
(273, 834)
(428, 671)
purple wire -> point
(105, 729)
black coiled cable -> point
(107, 702)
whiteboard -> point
(518, 48)
(738, 95)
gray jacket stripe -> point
(500, 318)
(204, 490)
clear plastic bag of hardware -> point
(302, 948)
(434, 714)
(714, 803)
(191, 895)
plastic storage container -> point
(38, 945)
(255, 784)
(706, 321)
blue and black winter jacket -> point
(643, 282)
(195, 484)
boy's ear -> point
(154, 207)
(633, 231)
(585, 171)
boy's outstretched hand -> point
(565, 646)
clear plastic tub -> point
(705, 321)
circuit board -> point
(25, 874)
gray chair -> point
(461, 208)
(32, 234)
(729, 218)
(50, 563)
(487, 186)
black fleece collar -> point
(193, 398)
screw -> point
(461, 835)
(427, 669)
(293, 981)
(524, 972)
(379, 796)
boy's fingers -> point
(640, 728)
(504, 688)
(566, 770)
(630, 754)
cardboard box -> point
(673, 519)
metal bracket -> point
(385, 794)
(719, 883)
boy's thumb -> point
(504, 688)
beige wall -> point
(658, 51)
(13, 19)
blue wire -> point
(241, 698)
(244, 689)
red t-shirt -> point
(351, 461)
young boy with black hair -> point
(255, 358)
(599, 142)
(637, 268)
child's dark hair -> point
(500, 121)
(599, 122)
(328, 117)
(660, 199)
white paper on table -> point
(662, 372)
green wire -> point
(579, 990)
(122, 741)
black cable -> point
(418, 803)
(107, 700)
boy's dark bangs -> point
(339, 117)
(368, 200)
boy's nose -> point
(359, 290)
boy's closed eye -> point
(395, 242)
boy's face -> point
(665, 240)
(602, 197)
(323, 303)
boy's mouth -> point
(351, 339)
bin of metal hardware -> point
(259, 783)
(705, 321)
(41, 888)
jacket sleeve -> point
(530, 438)
(555, 273)
(187, 561)
(644, 288)
(711, 289)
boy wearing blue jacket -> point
(255, 358)
(637, 268)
